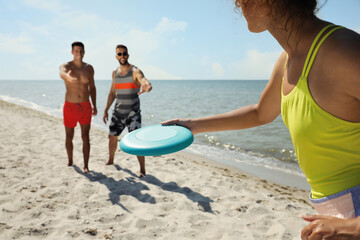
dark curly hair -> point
(296, 9)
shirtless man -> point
(78, 77)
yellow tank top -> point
(327, 147)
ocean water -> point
(265, 147)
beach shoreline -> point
(183, 196)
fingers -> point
(70, 77)
(310, 232)
(184, 122)
(311, 218)
(315, 236)
(305, 233)
(320, 227)
(94, 111)
(69, 73)
(171, 122)
(145, 88)
(105, 118)
(73, 78)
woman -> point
(315, 85)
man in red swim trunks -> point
(78, 77)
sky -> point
(166, 39)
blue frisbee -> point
(156, 140)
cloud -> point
(100, 51)
(80, 20)
(256, 65)
(19, 45)
(156, 73)
(142, 42)
(141, 45)
(52, 6)
(217, 69)
(27, 27)
(168, 25)
(39, 68)
(99, 33)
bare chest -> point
(82, 76)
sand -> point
(183, 196)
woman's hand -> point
(188, 123)
(327, 227)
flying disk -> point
(156, 140)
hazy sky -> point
(167, 39)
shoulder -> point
(65, 65)
(280, 64)
(88, 67)
(342, 50)
(136, 71)
(344, 43)
(282, 59)
(340, 58)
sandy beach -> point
(183, 196)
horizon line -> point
(149, 80)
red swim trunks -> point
(77, 112)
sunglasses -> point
(122, 54)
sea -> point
(265, 151)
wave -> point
(28, 104)
(252, 162)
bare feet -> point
(70, 163)
(110, 162)
(86, 170)
(142, 173)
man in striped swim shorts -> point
(128, 82)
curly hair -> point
(294, 8)
(297, 9)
